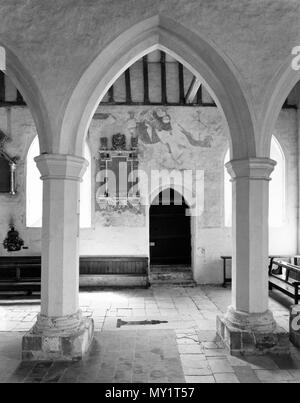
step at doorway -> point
(172, 274)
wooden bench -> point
(20, 274)
(225, 259)
(282, 277)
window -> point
(34, 190)
(86, 192)
(227, 193)
(277, 189)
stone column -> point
(60, 332)
(249, 325)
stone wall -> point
(197, 141)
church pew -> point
(282, 277)
(23, 273)
(225, 259)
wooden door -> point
(170, 232)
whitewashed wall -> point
(127, 233)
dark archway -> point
(170, 230)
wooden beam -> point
(181, 84)
(128, 87)
(146, 80)
(20, 99)
(164, 100)
(192, 91)
(111, 95)
(199, 96)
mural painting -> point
(152, 138)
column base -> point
(56, 343)
(253, 341)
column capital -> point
(252, 168)
(60, 166)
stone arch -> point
(25, 83)
(198, 55)
(278, 90)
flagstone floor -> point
(179, 346)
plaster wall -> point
(283, 240)
(17, 123)
(115, 233)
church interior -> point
(150, 192)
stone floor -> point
(180, 346)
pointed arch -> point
(198, 55)
(24, 82)
(276, 94)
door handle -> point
(152, 244)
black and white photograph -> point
(149, 194)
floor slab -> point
(185, 349)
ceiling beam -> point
(192, 91)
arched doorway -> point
(170, 230)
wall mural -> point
(159, 138)
(158, 126)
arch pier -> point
(249, 326)
(61, 332)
